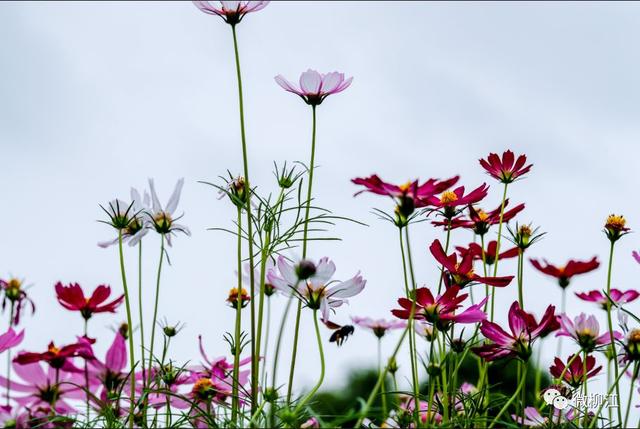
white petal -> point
(349, 288)
(154, 197)
(310, 82)
(175, 197)
(287, 271)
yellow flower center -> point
(615, 222)
(525, 231)
(233, 294)
(14, 284)
(53, 349)
(448, 197)
(404, 188)
(634, 336)
(482, 215)
(586, 332)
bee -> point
(341, 334)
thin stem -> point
(321, 379)
(631, 388)
(276, 355)
(520, 279)
(383, 387)
(236, 353)
(132, 363)
(254, 357)
(263, 273)
(497, 255)
(142, 363)
(599, 410)
(155, 307)
(513, 397)
(610, 326)
(365, 410)
(304, 250)
(263, 377)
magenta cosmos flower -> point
(524, 331)
(442, 310)
(10, 339)
(312, 284)
(39, 388)
(461, 273)
(72, 298)
(315, 87)
(480, 221)
(408, 197)
(507, 169)
(231, 11)
(379, 327)
(574, 373)
(448, 202)
(565, 273)
(489, 254)
(585, 330)
(110, 373)
(617, 296)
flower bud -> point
(614, 227)
(305, 269)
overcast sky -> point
(97, 97)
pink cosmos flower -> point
(110, 373)
(585, 330)
(575, 374)
(442, 310)
(617, 296)
(315, 87)
(524, 331)
(312, 284)
(231, 11)
(39, 389)
(378, 326)
(507, 169)
(448, 202)
(59, 357)
(461, 273)
(489, 254)
(533, 418)
(10, 339)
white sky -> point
(96, 97)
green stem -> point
(155, 308)
(610, 326)
(254, 357)
(383, 387)
(276, 355)
(132, 363)
(304, 250)
(513, 397)
(599, 410)
(365, 410)
(236, 355)
(142, 364)
(321, 379)
(631, 387)
(263, 273)
(497, 255)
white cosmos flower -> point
(139, 224)
(312, 284)
(163, 220)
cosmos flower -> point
(236, 297)
(507, 169)
(231, 12)
(585, 330)
(617, 296)
(461, 273)
(524, 331)
(72, 298)
(269, 289)
(490, 254)
(163, 219)
(448, 202)
(480, 221)
(110, 372)
(407, 197)
(58, 358)
(379, 327)
(16, 296)
(442, 310)
(10, 339)
(574, 374)
(524, 235)
(136, 225)
(615, 227)
(533, 418)
(312, 284)
(38, 388)
(565, 273)
(315, 87)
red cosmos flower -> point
(72, 298)
(565, 273)
(617, 296)
(440, 311)
(480, 221)
(409, 196)
(524, 331)
(58, 357)
(490, 254)
(574, 375)
(461, 273)
(507, 169)
(447, 203)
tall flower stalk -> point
(235, 399)
(132, 362)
